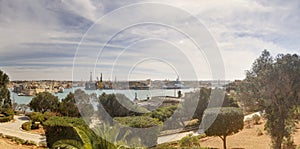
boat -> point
(174, 85)
(61, 89)
(21, 94)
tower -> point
(101, 77)
(91, 76)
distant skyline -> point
(39, 38)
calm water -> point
(141, 94)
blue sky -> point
(39, 38)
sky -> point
(142, 39)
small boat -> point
(21, 94)
(61, 89)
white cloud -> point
(51, 31)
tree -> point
(43, 102)
(228, 121)
(274, 85)
(5, 100)
(68, 106)
(229, 102)
(118, 105)
(84, 103)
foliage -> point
(138, 121)
(5, 119)
(48, 114)
(4, 92)
(112, 134)
(36, 117)
(177, 144)
(192, 107)
(18, 140)
(27, 126)
(189, 141)
(67, 144)
(61, 128)
(35, 125)
(118, 105)
(68, 106)
(273, 85)
(162, 113)
(44, 102)
(5, 101)
(228, 120)
(70, 132)
(229, 102)
(83, 103)
(148, 129)
(204, 96)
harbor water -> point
(141, 94)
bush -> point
(162, 113)
(148, 135)
(66, 128)
(8, 112)
(27, 126)
(189, 141)
(138, 121)
(36, 117)
(48, 114)
(5, 119)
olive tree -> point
(223, 122)
(44, 102)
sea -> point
(131, 94)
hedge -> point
(145, 128)
(5, 119)
(27, 126)
(138, 121)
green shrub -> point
(27, 126)
(70, 130)
(5, 119)
(48, 114)
(162, 113)
(138, 121)
(189, 141)
(36, 117)
(148, 135)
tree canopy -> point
(118, 105)
(68, 106)
(273, 84)
(5, 100)
(228, 121)
(44, 102)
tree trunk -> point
(224, 142)
(277, 144)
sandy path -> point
(246, 139)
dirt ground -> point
(7, 144)
(246, 139)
